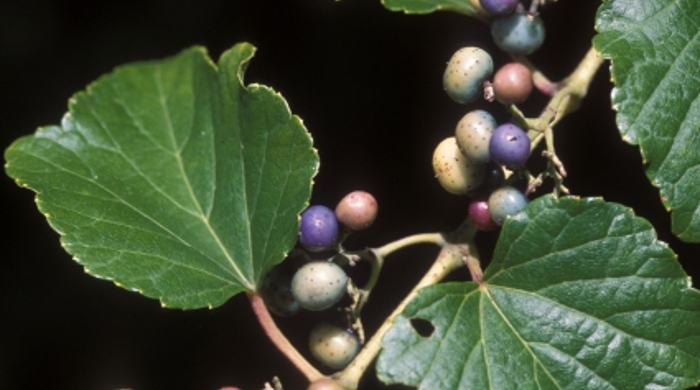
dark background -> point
(367, 83)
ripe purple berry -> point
(499, 7)
(357, 210)
(509, 146)
(512, 84)
(318, 229)
(505, 202)
(318, 285)
(517, 33)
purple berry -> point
(319, 228)
(499, 7)
(509, 146)
(479, 215)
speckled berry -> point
(473, 134)
(318, 285)
(465, 73)
(333, 346)
(509, 146)
(357, 210)
(276, 291)
(517, 34)
(512, 84)
(499, 7)
(318, 229)
(504, 202)
(456, 173)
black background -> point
(367, 83)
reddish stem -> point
(280, 341)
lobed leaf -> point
(467, 7)
(172, 178)
(579, 295)
(654, 48)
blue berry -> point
(517, 34)
(466, 71)
(473, 134)
(318, 230)
(333, 346)
(504, 202)
(509, 146)
(318, 285)
(499, 7)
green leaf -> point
(172, 178)
(654, 47)
(580, 295)
(467, 7)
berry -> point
(357, 210)
(324, 384)
(318, 229)
(465, 73)
(494, 177)
(499, 7)
(504, 202)
(276, 291)
(512, 83)
(479, 215)
(517, 34)
(473, 134)
(318, 285)
(509, 146)
(456, 173)
(333, 346)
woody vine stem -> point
(457, 248)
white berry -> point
(318, 285)
(456, 173)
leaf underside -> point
(654, 48)
(172, 178)
(579, 295)
(428, 6)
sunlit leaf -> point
(579, 295)
(172, 178)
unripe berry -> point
(509, 146)
(504, 202)
(456, 173)
(517, 34)
(466, 71)
(512, 84)
(318, 229)
(473, 134)
(318, 285)
(357, 210)
(333, 346)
